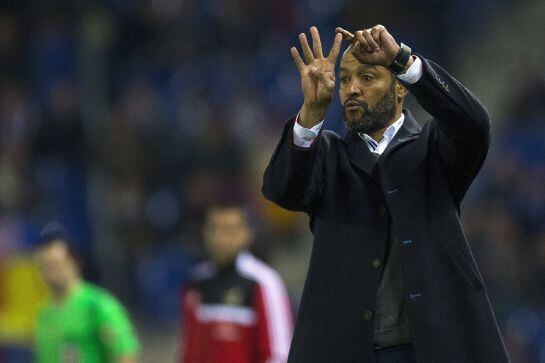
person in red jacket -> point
(236, 309)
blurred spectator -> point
(81, 323)
(236, 309)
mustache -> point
(354, 102)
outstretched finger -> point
(307, 53)
(336, 48)
(345, 33)
(297, 59)
(316, 42)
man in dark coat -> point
(391, 275)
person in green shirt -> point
(82, 323)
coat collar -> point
(359, 153)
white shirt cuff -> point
(413, 74)
(304, 137)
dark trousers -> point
(402, 353)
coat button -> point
(382, 210)
(375, 263)
(367, 315)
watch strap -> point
(400, 61)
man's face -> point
(57, 266)
(368, 95)
(226, 232)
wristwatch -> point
(400, 61)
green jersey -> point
(89, 326)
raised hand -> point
(317, 76)
(371, 46)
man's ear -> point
(401, 91)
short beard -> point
(373, 118)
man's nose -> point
(354, 88)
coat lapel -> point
(408, 132)
(359, 154)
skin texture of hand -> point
(373, 46)
(317, 76)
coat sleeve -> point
(460, 129)
(273, 330)
(294, 177)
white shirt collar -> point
(379, 147)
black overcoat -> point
(417, 184)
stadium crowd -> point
(125, 120)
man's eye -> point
(368, 78)
(344, 79)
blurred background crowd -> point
(126, 119)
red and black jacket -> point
(240, 313)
